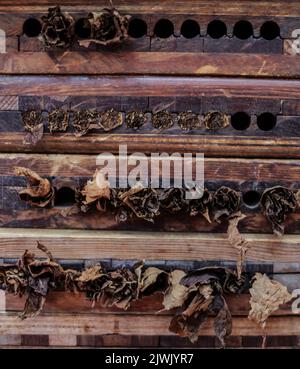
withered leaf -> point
(97, 188)
(58, 120)
(176, 293)
(163, 120)
(57, 28)
(277, 202)
(149, 277)
(110, 120)
(225, 202)
(216, 120)
(135, 119)
(33, 124)
(237, 240)
(188, 121)
(172, 199)
(82, 120)
(223, 319)
(266, 297)
(106, 27)
(39, 191)
(201, 205)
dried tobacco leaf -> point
(110, 120)
(172, 199)
(40, 276)
(39, 191)
(57, 29)
(188, 121)
(277, 202)
(33, 124)
(201, 205)
(237, 240)
(83, 119)
(142, 201)
(135, 119)
(152, 277)
(163, 120)
(176, 294)
(225, 202)
(223, 319)
(58, 120)
(96, 189)
(266, 297)
(106, 28)
(216, 120)
(206, 287)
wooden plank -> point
(242, 7)
(143, 325)
(151, 63)
(76, 244)
(230, 88)
(216, 169)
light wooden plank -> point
(78, 244)
(137, 325)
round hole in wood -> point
(240, 121)
(64, 197)
(216, 29)
(251, 199)
(82, 28)
(270, 30)
(32, 27)
(190, 28)
(266, 121)
(164, 28)
(243, 29)
(137, 28)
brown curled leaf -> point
(237, 240)
(110, 120)
(135, 119)
(277, 203)
(216, 120)
(142, 201)
(33, 124)
(176, 294)
(39, 191)
(225, 202)
(152, 280)
(266, 297)
(83, 119)
(172, 199)
(57, 28)
(96, 189)
(201, 205)
(58, 120)
(106, 27)
(223, 319)
(188, 121)
(163, 120)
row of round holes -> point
(164, 28)
(65, 196)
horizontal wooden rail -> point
(78, 244)
(151, 63)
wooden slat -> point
(149, 86)
(137, 325)
(76, 244)
(213, 146)
(152, 63)
(242, 7)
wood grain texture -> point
(151, 63)
(76, 244)
(230, 88)
(143, 325)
